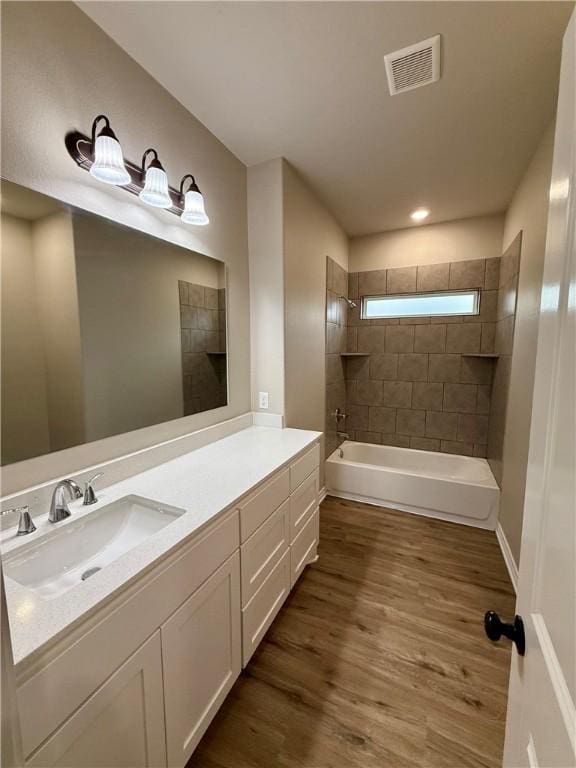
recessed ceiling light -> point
(420, 214)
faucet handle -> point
(89, 495)
(25, 523)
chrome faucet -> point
(59, 509)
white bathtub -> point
(457, 488)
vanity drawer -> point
(262, 609)
(303, 549)
(303, 502)
(261, 504)
(51, 690)
(303, 466)
(263, 549)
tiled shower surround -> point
(203, 333)
(416, 382)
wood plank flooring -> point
(378, 658)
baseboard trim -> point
(508, 556)
(322, 495)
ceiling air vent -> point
(413, 66)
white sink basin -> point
(79, 549)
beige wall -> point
(59, 70)
(266, 239)
(528, 213)
(23, 386)
(57, 297)
(310, 235)
(477, 238)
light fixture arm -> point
(155, 163)
(106, 130)
(193, 186)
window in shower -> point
(421, 304)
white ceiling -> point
(306, 81)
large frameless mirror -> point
(105, 329)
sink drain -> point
(90, 572)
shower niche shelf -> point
(482, 355)
(354, 354)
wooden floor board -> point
(378, 658)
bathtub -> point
(457, 488)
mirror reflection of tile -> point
(203, 333)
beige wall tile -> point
(433, 277)
(472, 428)
(372, 283)
(441, 425)
(444, 367)
(358, 367)
(487, 337)
(425, 443)
(384, 366)
(399, 338)
(357, 416)
(366, 392)
(400, 441)
(196, 295)
(476, 370)
(460, 398)
(397, 394)
(368, 437)
(210, 298)
(413, 367)
(480, 451)
(410, 422)
(381, 419)
(463, 337)
(351, 339)
(467, 274)
(371, 338)
(353, 285)
(483, 400)
(430, 338)
(428, 396)
(492, 273)
(463, 449)
(401, 280)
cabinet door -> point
(201, 655)
(122, 723)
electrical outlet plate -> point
(263, 400)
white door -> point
(201, 655)
(541, 725)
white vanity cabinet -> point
(121, 724)
(201, 659)
(137, 682)
(279, 523)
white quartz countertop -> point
(205, 482)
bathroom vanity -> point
(146, 649)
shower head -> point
(350, 303)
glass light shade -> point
(108, 165)
(155, 190)
(194, 212)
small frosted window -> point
(421, 304)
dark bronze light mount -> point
(101, 155)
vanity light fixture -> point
(420, 214)
(108, 165)
(101, 155)
(194, 211)
(155, 190)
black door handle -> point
(495, 628)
